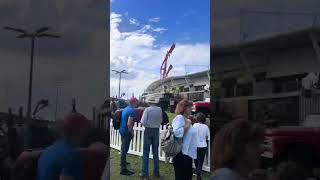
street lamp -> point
(120, 73)
(39, 33)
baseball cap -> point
(74, 122)
(133, 100)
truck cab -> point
(294, 143)
(201, 106)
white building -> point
(187, 83)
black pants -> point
(125, 145)
(201, 153)
(182, 167)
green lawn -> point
(166, 169)
(171, 116)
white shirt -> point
(190, 138)
(203, 134)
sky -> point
(142, 31)
(78, 59)
(229, 14)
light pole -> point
(58, 84)
(120, 73)
(39, 33)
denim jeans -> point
(151, 138)
(125, 144)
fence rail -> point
(136, 145)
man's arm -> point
(161, 116)
(144, 117)
(130, 124)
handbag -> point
(170, 144)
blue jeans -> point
(151, 138)
(125, 145)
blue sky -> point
(143, 30)
(184, 19)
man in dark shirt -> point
(62, 161)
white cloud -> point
(155, 19)
(160, 30)
(138, 52)
(134, 21)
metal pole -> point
(56, 110)
(30, 79)
(7, 94)
(119, 84)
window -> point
(229, 85)
(199, 88)
(260, 76)
(244, 90)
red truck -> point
(299, 144)
(201, 106)
(285, 138)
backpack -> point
(116, 119)
(170, 145)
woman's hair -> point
(182, 106)
(290, 170)
(230, 141)
(200, 117)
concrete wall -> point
(293, 61)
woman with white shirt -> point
(184, 131)
(203, 138)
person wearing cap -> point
(62, 160)
(126, 131)
(151, 120)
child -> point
(203, 138)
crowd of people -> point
(236, 151)
(193, 137)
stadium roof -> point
(169, 79)
(276, 42)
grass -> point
(166, 169)
(171, 116)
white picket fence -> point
(136, 145)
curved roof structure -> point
(179, 80)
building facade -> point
(264, 78)
(188, 83)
